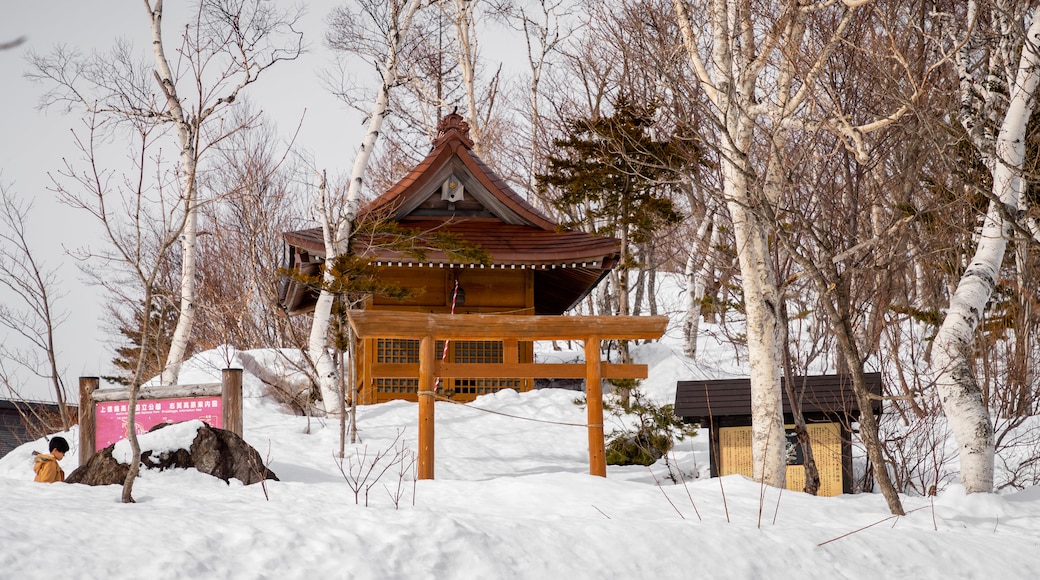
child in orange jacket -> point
(46, 466)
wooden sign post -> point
(87, 419)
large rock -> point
(101, 469)
(216, 452)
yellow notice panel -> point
(735, 451)
(735, 456)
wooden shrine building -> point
(537, 269)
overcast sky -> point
(34, 142)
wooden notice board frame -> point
(229, 389)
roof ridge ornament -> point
(450, 124)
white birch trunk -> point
(761, 304)
(602, 305)
(535, 119)
(532, 167)
(317, 344)
(186, 314)
(951, 355)
(467, 60)
(186, 135)
(339, 243)
(729, 86)
(706, 274)
(463, 20)
(697, 263)
(691, 324)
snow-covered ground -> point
(512, 499)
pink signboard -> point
(112, 417)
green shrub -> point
(656, 430)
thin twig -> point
(856, 531)
(713, 454)
(777, 510)
(762, 486)
(868, 526)
(687, 488)
(670, 502)
(600, 511)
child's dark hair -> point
(60, 444)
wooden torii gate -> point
(429, 328)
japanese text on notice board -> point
(112, 418)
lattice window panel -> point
(481, 351)
(402, 350)
(478, 351)
(396, 350)
(485, 386)
(396, 385)
(389, 350)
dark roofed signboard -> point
(829, 406)
(824, 394)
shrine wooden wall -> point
(487, 291)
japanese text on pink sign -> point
(112, 418)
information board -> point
(735, 456)
(112, 417)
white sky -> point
(34, 142)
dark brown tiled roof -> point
(566, 263)
(827, 394)
(419, 180)
(508, 244)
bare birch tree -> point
(35, 286)
(140, 225)
(385, 41)
(998, 69)
(544, 32)
(758, 65)
(729, 77)
(225, 47)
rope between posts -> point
(437, 383)
(444, 354)
(447, 400)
